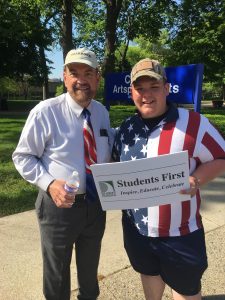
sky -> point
(57, 57)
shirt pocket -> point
(103, 149)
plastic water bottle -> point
(72, 184)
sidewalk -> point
(21, 263)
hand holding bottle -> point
(72, 184)
(63, 193)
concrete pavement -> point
(21, 263)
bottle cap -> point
(75, 173)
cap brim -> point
(148, 73)
(81, 61)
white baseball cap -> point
(81, 55)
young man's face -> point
(149, 96)
(81, 82)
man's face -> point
(81, 82)
(149, 96)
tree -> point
(113, 8)
(198, 37)
(66, 38)
(23, 41)
(143, 20)
(143, 48)
(115, 24)
(22, 34)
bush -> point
(21, 105)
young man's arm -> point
(203, 174)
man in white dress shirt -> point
(50, 148)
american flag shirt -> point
(179, 130)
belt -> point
(80, 198)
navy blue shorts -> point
(180, 261)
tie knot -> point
(86, 113)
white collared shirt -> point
(51, 144)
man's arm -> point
(28, 153)
(209, 170)
(204, 174)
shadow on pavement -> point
(214, 297)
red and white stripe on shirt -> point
(192, 132)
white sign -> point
(142, 182)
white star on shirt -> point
(137, 225)
(136, 138)
(122, 137)
(136, 209)
(128, 213)
(145, 128)
(130, 127)
(144, 149)
(126, 149)
(133, 157)
(144, 219)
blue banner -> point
(185, 85)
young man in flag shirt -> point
(166, 243)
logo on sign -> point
(107, 188)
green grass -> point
(16, 195)
(217, 117)
(119, 113)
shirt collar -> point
(172, 115)
(77, 109)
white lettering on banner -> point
(174, 89)
(127, 89)
(127, 79)
(121, 90)
(124, 89)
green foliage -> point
(174, 32)
(59, 90)
(7, 85)
(100, 91)
(23, 37)
(198, 37)
(136, 19)
(143, 48)
(211, 91)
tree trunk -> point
(113, 8)
(66, 40)
(124, 55)
(223, 88)
(67, 24)
(45, 73)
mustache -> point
(80, 86)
